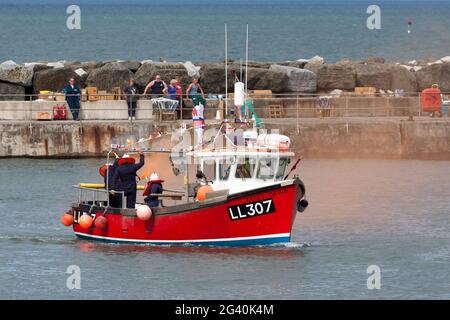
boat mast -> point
(246, 61)
(226, 73)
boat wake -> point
(37, 239)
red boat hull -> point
(260, 217)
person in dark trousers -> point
(125, 177)
(131, 92)
(115, 200)
(73, 93)
(157, 87)
(154, 186)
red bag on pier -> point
(59, 112)
(62, 113)
(56, 115)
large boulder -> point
(267, 79)
(332, 76)
(298, 80)
(436, 73)
(131, 65)
(212, 77)
(403, 79)
(375, 60)
(88, 66)
(168, 71)
(54, 79)
(109, 76)
(37, 66)
(72, 64)
(17, 74)
(295, 64)
(314, 64)
(373, 75)
(16, 92)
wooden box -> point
(48, 96)
(91, 93)
(60, 97)
(117, 92)
(102, 94)
(84, 96)
(261, 94)
(369, 91)
(43, 116)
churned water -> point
(393, 214)
(193, 30)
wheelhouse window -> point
(225, 167)
(245, 168)
(266, 168)
(282, 168)
(209, 169)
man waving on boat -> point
(125, 177)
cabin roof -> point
(224, 152)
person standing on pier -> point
(125, 177)
(157, 87)
(172, 90)
(73, 93)
(131, 92)
(195, 92)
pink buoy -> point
(144, 212)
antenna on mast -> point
(246, 61)
(226, 72)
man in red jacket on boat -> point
(125, 177)
(154, 186)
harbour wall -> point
(369, 137)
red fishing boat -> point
(244, 198)
(242, 195)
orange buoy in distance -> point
(67, 219)
(101, 222)
(202, 191)
(86, 221)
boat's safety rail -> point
(96, 197)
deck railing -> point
(114, 107)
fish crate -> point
(92, 94)
(275, 111)
(116, 93)
(103, 95)
(366, 91)
(60, 97)
(44, 116)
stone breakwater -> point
(300, 76)
(382, 138)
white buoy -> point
(144, 212)
(239, 94)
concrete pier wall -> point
(388, 138)
(293, 106)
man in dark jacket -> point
(125, 177)
(115, 200)
(73, 92)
